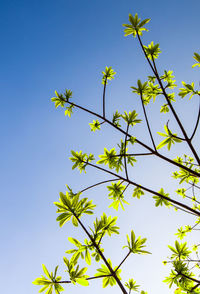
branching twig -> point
(173, 134)
(154, 69)
(113, 273)
(147, 189)
(137, 141)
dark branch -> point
(197, 123)
(175, 202)
(88, 279)
(97, 184)
(113, 273)
(147, 122)
(125, 164)
(137, 141)
(104, 94)
(154, 69)
(123, 260)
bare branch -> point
(197, 123)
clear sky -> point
(48, 45)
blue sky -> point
(48, 45)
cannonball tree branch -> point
(136, 140)
(173, 201)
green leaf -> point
(69, 110)
(109, 280)
(108, 75)
(109, 158)
(188, 89)
(82, 282)
(180, 251)
(116, 119)
(131, 285)
(46, 271)
(136, 26)
(164, 108)
(95, 125)
(87, 257)
(136, 245)
(74, 241)
(43, 289)
(152, 50)
(197, 58)
(80, 160)
(131, 118)
(138, 192)
(170, 139)
(160, 200)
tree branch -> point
(125, 165)
(147, 122)
(88, 279)
(146, 189)
(97, 184)
(123, 260)
(104, 94)
(154, 69)
(137, 141)
(113, 273)
(196, 124)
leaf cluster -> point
(170, 139)
(81, 160)
(136, 26)
(108, 74)
(136, 245)
(49, 282)
(108, 278)
(76, 275)
(116, 194)
(72, 208)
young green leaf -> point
(136, 26)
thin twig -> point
(113, 273)
(154, 69)
(97, 184)
(123, 260)
(177, 207)
(136, 140)
(104, 94)
(196, 124)
(146, 189)
(125, 164)
(147, 122)
(131, 154)
(173, 134)
(88, 279)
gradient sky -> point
(48, 45)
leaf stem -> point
(104, 95)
